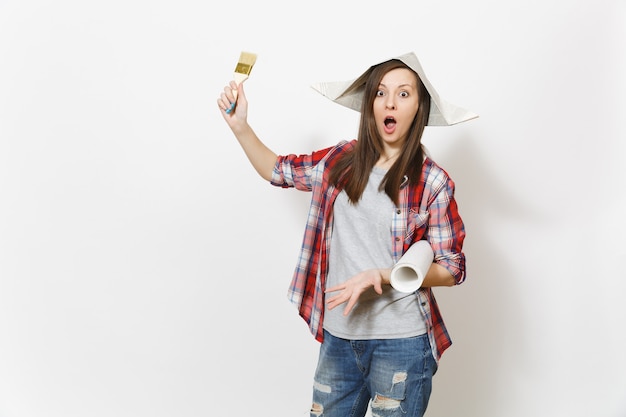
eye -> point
(404, 94)
(380, 93)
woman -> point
(372, 198)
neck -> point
(386, 161)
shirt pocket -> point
(417, 225)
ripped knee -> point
(382, 402)
(385, 403)
(317, 409)
(322, 387)
(399, 377)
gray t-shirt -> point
(361, 240)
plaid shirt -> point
(426, 211)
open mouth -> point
(390, 124)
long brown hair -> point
(351, 172)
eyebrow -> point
(401, 85)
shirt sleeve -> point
(296, 171)
(446, 231)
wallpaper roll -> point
(409, 273)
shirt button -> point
(398, 211)
(397, 239)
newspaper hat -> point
(442, 113)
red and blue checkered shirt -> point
(427, 210)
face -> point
(395, 106)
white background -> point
(144, 265)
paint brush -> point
(242, 72)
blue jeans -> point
(395, 374)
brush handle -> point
(239, 78)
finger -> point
(332, 304)
(228, 98)
(349, 306)
(334, 301)
(221, 105)
(222, 102)
(234, 89)
(230, 108)
(338, 299)
(229, 91)
(335, 288)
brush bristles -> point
(246, 61)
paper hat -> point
(442, 113)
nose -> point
(390, 103)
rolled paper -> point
(408, 274)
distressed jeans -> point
(394, 374)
